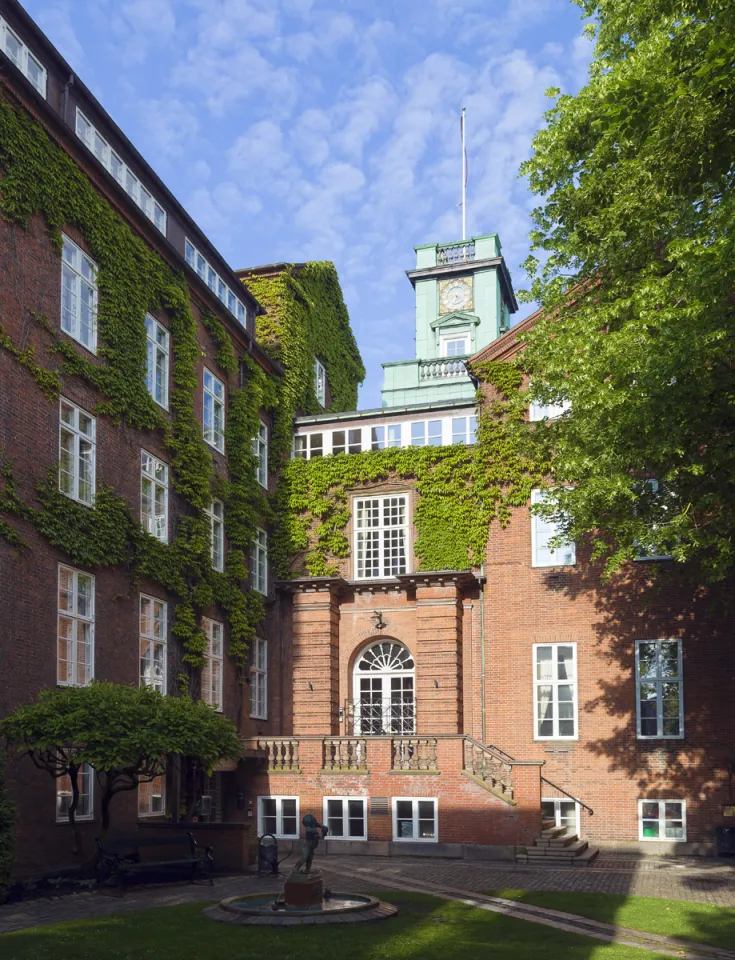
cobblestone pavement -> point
(706, 881)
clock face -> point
(455, 294)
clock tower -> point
(464, 299)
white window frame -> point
(148, 641)
(345, 818)
(146, 794)
(213, 657)
(260, 452)
(547, 411)
(73, 281)
(446, 338)
(470, 431)
(415, 801)
(259, 679)
(259, 561)
(24, 56)
(659, 680)
(382, 530)
(120, 171)
(320, 382)
(642, 556)
(78, 436)
(662, 821)
(157, 349)
(204, 270)
(85, 782)
(154, 526)
(216, 513)
(213, 435)
(78, 620)
(279, 834)
(425, 435)
(555, 683)
(557, 801)
(563, 556)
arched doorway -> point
(384, 690)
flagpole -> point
(464, 178)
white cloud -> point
(141, 26)
(259, 151)
(169, 125)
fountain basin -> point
(258, 908)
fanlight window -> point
(385, 657)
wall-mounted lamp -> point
(436, 684)
(311, 685)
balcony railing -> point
(489, 767)
(414, 754)
(282, 753)
(344, 753)
(456, 252)
(442, 369)
(381, 717)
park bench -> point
(121, 858)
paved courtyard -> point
(702, 880)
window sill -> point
(657, 739)
(84, 503)
(556, 739)
(415, 840)
(256, 716)
(65, 821)
(553, 566)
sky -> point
(329, 129)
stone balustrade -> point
(282, 754)
(489, 767)
(414, 753)
(345, 753)
(456, 252)
(442, 369)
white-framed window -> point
(260, 451)
(216, 513)
(78, 294)
(259, 679)
(454, 344)
(320, 382)
(112, 162)
(564, 813)
(77, 452)
(555, 691)
(259, 562)
(346, 818)
(543, 531)
(381, 536)
(75, 628)
(464, 429)
(216, 284)
(154, 496)
(279, 816)
(415, 818)
(152, 797)
(547, 411)
(214, 411)
(212, 669)
(157, 351)
(29, 65)
(659, 689)
(389, 435)
(426, 433)
(64, 796)
(300, 449)
(347, 441)
(662, 820)
(152, 642)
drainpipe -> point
(483, 711)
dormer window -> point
(455, 344)
(320, 382)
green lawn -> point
(426, 928)
(699, 922)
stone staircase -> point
(557, 846)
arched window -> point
(384, 690)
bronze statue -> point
(311, 842)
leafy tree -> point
(126, 734)
(634, 266)
(7, 824)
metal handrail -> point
(567, 794)
(381, 716)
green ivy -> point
(7, 831)
(39, 178)
(461, 489)
(307, 318)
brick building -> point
(415, 705)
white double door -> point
(385, 705)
